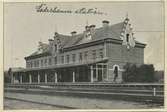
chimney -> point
(50, 41)
(73, 33)
(92, 29)
(87, 28)
(55, 35)
(105, 23)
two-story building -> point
(96, 55)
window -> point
(127, 37)
(50, 61)
(86, 55)
(41, 62)
(101, 53)
(80, 56)
(73, 57)
(37, 63)
(30, 64)
(46, 62)
(55, 60)
(62, 59)
(34, 63)
(68, 58)
(55, 48)
(94, 54)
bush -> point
(143, 73)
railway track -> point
(139, 92)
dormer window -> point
(55, 48)
(127, 37)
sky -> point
(24, 27)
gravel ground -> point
(17, 104)
(76, 102)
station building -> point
(95, 55)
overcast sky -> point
(24, 27)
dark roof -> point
(111, 31)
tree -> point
(143, 73)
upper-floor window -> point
(37, 63)
(62, 59)
(55, 48)
(34, 63)
(127, 37)
(94, 54)
(55, 59)
(46, 62)
(31, 65)
(68, 58)
(73, 57)
(101, 53)
(80, 56)
(86, 55)
(41, 62)
(50, 61)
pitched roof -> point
(111, 31)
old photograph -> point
(84, 55)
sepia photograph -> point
(84, 55)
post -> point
(107, 72)
(105, 49)
(46, 78)
(30, 79)
(12, 78)
(21, 80)
(102, 70)
(91, 68)
(38, 78)
(154, 91)
(55, 77)
(73, 76)
(96, 72)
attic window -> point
(55, 48)
(127, 37)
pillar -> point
(107, 72)
(21, 78)
(55, 77)
(30, 79)
(73, 76)
(96, 72)
(38, 78)
(102, 70)
(46, 78)
(11, 78)
(91, 68)
(105, 49)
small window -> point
(94, 54)
(55, 60)
(46, 62)
(68, 58)
(86, 55)
(127, 37)
(55, 48)
(80, 56)
(50, 61)
(101, 53)
(41, 62)
(62, 59)
(73, 57)
(37, 63)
